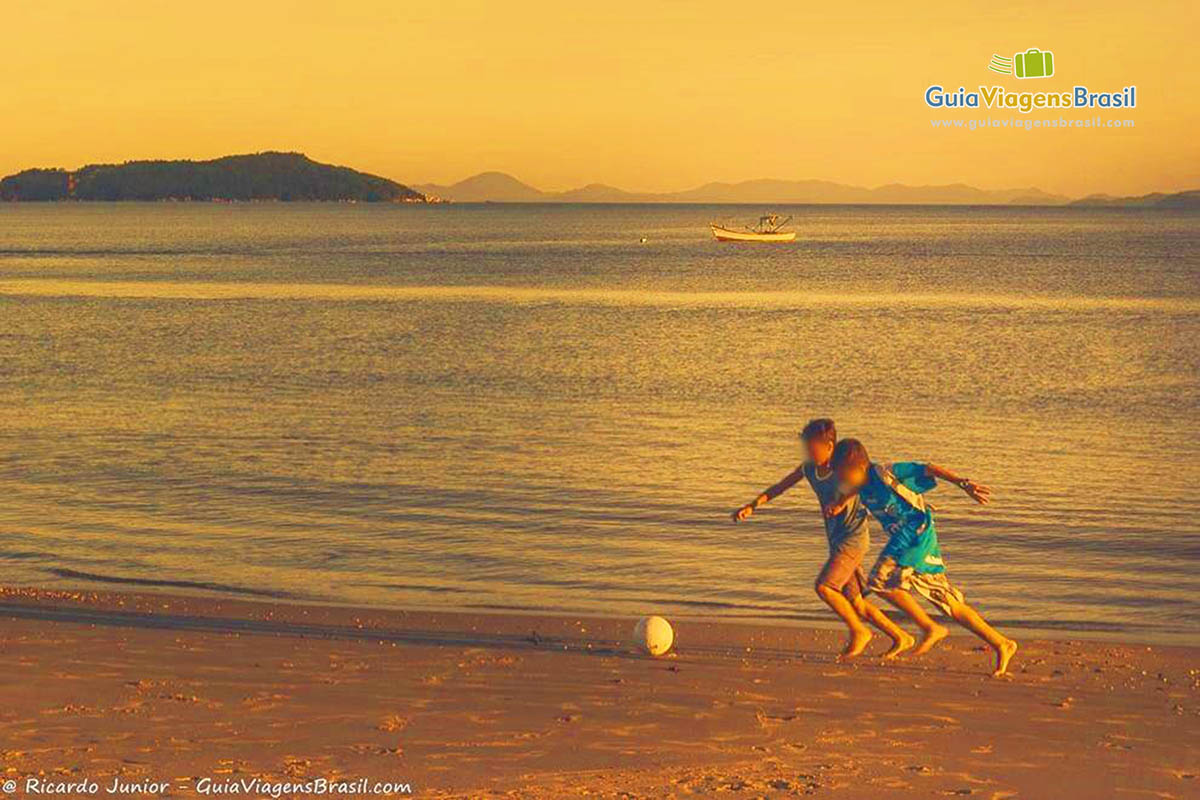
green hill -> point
(261, 176)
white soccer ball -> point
(653, 635)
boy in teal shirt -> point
(911, 561)
(841, 582)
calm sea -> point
(498, 407)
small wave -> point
(752, 608)
(73, 574)
(51, 252)
(417, 587)
(209, 290)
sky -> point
(645, 96)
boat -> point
(767, 229)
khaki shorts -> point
(933, 586)
(843, 572)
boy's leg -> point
(933, 632)
(890, 581)
(867, 610)
(837, 570)
(970, 619)
(853, 590)
(936, 588)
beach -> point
(535, 401)
(201, 692)
(344, 493)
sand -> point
(196, 692)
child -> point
(841, 582)
(912, 561)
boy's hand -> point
(743, 513)
(833, 509)
(977, 491)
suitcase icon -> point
(1034, 63)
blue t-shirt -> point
(912, 536)
(848, 531)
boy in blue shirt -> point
(911, 561)
(841, 582)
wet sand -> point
(100, 686)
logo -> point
(1033, 63)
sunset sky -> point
(645, 96)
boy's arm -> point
(976, 491)
(837, 506)
(769, 494)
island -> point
(258, 176)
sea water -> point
(525, 407)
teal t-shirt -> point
(912, 534)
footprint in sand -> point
(375, 750)
(392, 723)
(1115, 741)
(264, 701)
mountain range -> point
(294, 176)
(499, 187)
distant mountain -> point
(1188, 199)
(494, 187)
(261, 176)
(769, 190)
(497, 187)
(599, 193)
(961, 194)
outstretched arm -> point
(976, 491)
(769, 494)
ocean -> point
(526, 407)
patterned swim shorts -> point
(933, 586)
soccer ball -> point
(653, 635)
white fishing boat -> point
(767, 229)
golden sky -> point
(642, 95)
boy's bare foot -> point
(899, 645)
(931, 637)
(857, 643)
(1004, 655)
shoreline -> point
(146, 687)
(210, 602)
